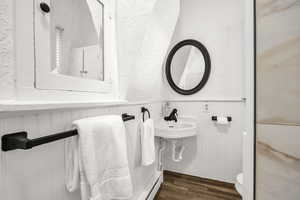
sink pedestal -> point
(162, 147)
(165, 130)
(180, 152)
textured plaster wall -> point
(6, 50)
(219, 26)
(145, 29)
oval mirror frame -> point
(207, 60)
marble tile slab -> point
(278, 64)
(278, 100)
(278, 162)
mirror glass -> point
(187, 67)
(77, 41)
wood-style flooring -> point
(183, 187)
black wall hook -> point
(45, 7)
(143, 109)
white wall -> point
(6, 49)
(145, 30)
(219, 25)
(139, 25)
(39, 173)
(217, 151)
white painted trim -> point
(208, 100)
(12, 106)
(249, 140)
(144, 102)
(153, 187)
(25, 62)
(31, 106)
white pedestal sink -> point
(185, 127)
(174, 131)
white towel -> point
(147, 142)
(71, 164)
(102, 159)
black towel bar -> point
(19, 140)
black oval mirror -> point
(188, 67)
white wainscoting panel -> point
(39, 173)
(216, 152)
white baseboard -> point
(152, 188)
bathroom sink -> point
(172, 130)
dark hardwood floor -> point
(183, 187)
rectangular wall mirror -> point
(70, 40)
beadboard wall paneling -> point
(39, 173)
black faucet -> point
(173, 116)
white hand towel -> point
(103, 162)
(147, 142)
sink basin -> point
(171, 130)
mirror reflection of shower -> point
(77, 38)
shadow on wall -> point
(147, 30)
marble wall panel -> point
(278, 63)
(278, 162)
(278, 100)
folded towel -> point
(102, 159)
(147, 142)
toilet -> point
(239, 184)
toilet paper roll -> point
(222, 120)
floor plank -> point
(184, 187)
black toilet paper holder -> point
(215, 118)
